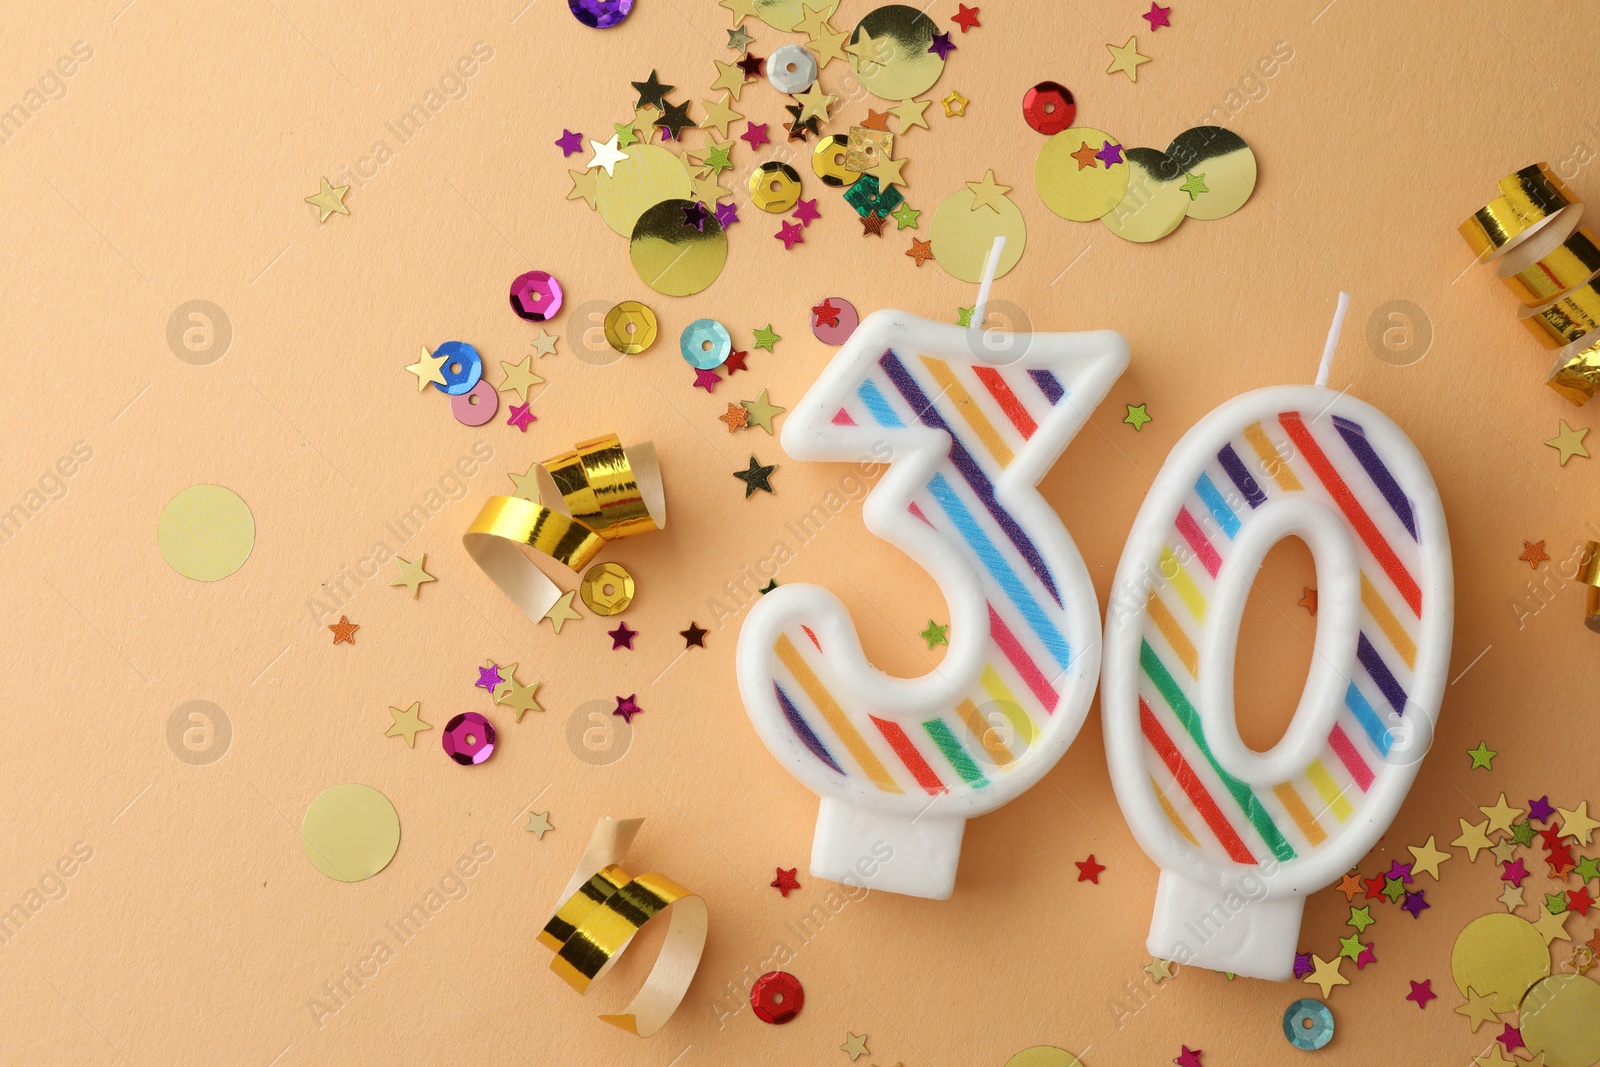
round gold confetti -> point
(774, 187)
(674, 257)
(1154, 203)
(1499, 956)
(206, 532)
(630, 327)
(607, 588)
(648, 176)
(1044, 1056)
(827, 161)
(350, 832)
(962, 236)
(1075, 183)
(1223, 163)
(1561, 1018)
(785, 15)
(889, 52)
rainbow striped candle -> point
(1242, 836)
(901, 764)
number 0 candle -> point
(1242, 836)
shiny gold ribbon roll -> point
(1576, 374)
(1527, 200)
(1567, 266)
(603, 908)
(597, 492)
(1589, 574)
(1567, 319)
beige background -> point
(172, 167)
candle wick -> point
(988, 281)
(1333, 339)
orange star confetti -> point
(344, 630)
(1349, 885)
(1309, 600)
(737, 417)
(1533, 553)
(1085, 156)
(876, 120)
(921, 251)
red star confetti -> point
(755, 133)
(705, 378)
(1089, 870)
(344, 630)
(1533, 553)
(1422, 992)
(1308, 599)
(966, 17)
(1157, 17)
(521, 416)
(785, 880)
(735, 363)
(805, 212)
(790, 234)
(1189, 1057)
(825, 314)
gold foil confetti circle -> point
(827, 161)
(206, 532)
(673, 257)
(785, 15)
(1226, 164)
(607, 588)
(1499, 956)
(630, 327)
(889, 52)
(648, 176)
(1155, 203)
(1528, 200)
(962, 236)
(1044, 1056)
(1576, 374)
(774, 187)
(1079, 189)
(350, 832)
(603, 907)
(1560, 1018)
(1566, 319)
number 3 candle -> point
(1242, 836)
(901, 764)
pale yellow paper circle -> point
(785, 15)
(673, 258)
(1499, 956)
(648, 176)
(1561, 1018)
(898, 64)
(206, 532)
(350, 832)
(1225, 163)
(963, 237)
(1079, 193)
(1044, 1056)
(1154, 204)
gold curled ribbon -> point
(1565, 320)
(1589, 574)
(1551, 268)
(597, 492)
(1576, 374)
(1527, 199)
(604, 907)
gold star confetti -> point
(739, 9)
(1553, 926)
(815, 20)
(513, 694)
(814, 103)
(909, 113)
(1325, 974)
(1511, 897)
(1501, 815)
(561, 611)
(887, 172)
(1473, 838)
(407, 723)
(955, 105)
(869, 52)
(538, 824)
(855, 1044)
(585, 186)
(519, 378)
(527, 483)
(708, 192)
(829, 46)
(1478, 1009)
(412, 576)
(1126, 59)
(544, 344)
(730, 76)
(1569, 443)
(988, 193)
(1576, 823)
(1427, 858)
(761, 411)
(1503, 851)
(1159, 969)
(1493, 1058)
(427, 369)
(718, 116)
(329, 199)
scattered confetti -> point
(965, 17)
(1137, 417)
(627, 708)
(1189, 1057)
(1533, 554)
(344, 630)
(561, 611)
(1421, 993)
(755, 477)
(706, 378)
(855, 1045)
(694, 636)
(1308, 599)
(1159, 969)
(1569, 442)
(1325, 974)
(329, 200)
(737, 417)
(544, 344)
(412, 575)
(407, 723)
(785, 881)
(622, 636)
(1126, 59)
(1089, 870)
(921, 251)
(955, 105)
(1482, 756)
(569, 142)
(935, 634)
(521, 416)
(538, 824)
(766, 337)
(761, 411)
(1157, 16)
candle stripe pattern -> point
(1294, 455)
(989, 415)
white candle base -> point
(916, 857)
(1223, 929)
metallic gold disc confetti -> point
(1499, 956)
(206, 532)
(673, 256)
(648, 176)
(630, 327)
(1224, 162)
(1077, 177)
(1561, 1018)
(774, 187)
(607, 588)
(827, 161)
(890, 51)
(1155, 201)
(1044, 1056)
(785, 15)
(963, 233)
(350, 832)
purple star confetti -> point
(1540, 810)
(805, 212)
(1415, 904)
(790, 234)
(489, 678)
(1109, 153)
(727, 214)
(1302, 964)
(622, 636)
(521, 416)
(706, 378)
(695, 215)
(1399, 870)
(627, 708)
(941, 45)
(569, 142)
